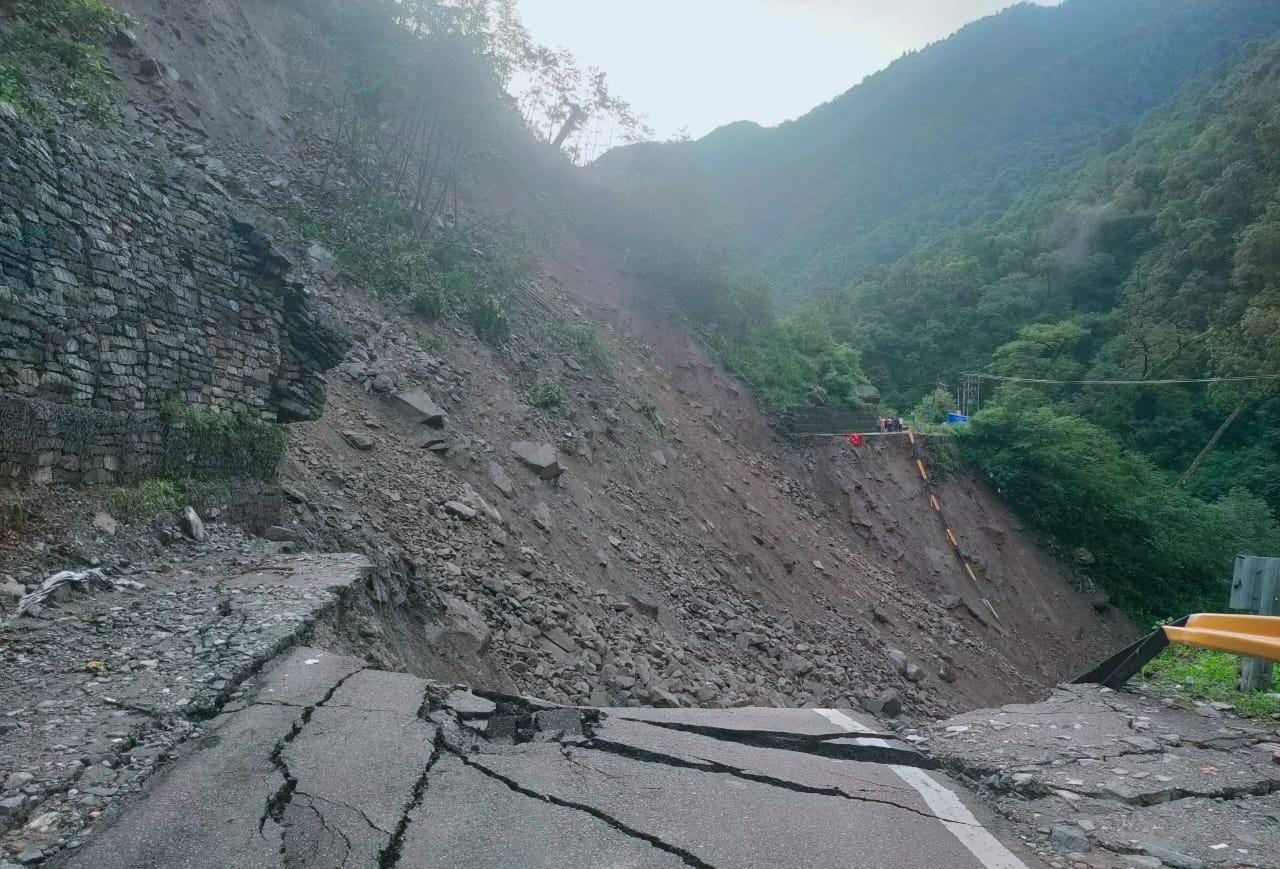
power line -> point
(1126, 382)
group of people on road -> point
(891, 424)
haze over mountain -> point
(729, 60)
(949, 134)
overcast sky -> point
(703, 63)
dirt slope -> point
(712, 565)
(831, 557)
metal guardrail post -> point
(1255, 587)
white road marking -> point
(950, 810)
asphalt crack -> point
(686, 856)
(278, 802)
(389, 856)
(714, 767)
(305, 860)
(341, 805)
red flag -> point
(855, 440)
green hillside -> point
(1160, 261)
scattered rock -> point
(644, 605)
(541, 458)
(1176, 859)
(193, 525)
(359, 440)
(419, 407)
(659, 458)
(16, 780)
(887, 703)
(280, 534)
(123, 41)
(105, 523)
(13, 807)
(457, 508)
(322, 258)
(1140, 861)
(10, 587)
(1068, 838)
(501, 481)
(1143, 743)
(542, 516)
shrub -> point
(150, 497)
(428, 301)
(225, 444)
(13, 510)
(584, 343)
(489, 318)
(545, 393)
(649, 411)
(146, 498)
(60, 41)
(374, 238)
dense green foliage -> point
(54, 48)
(1158, 549)
(951, 134)
(148, 498)
(1157, 261)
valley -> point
(370, 419)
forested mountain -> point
(951, 134)
(1158, 261)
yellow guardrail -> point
(1252, 636)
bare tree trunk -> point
(571, 124)
(1212, 444)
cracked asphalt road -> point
(333, 764)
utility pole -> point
(971, 402)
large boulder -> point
(541, 458)
(419, 407)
